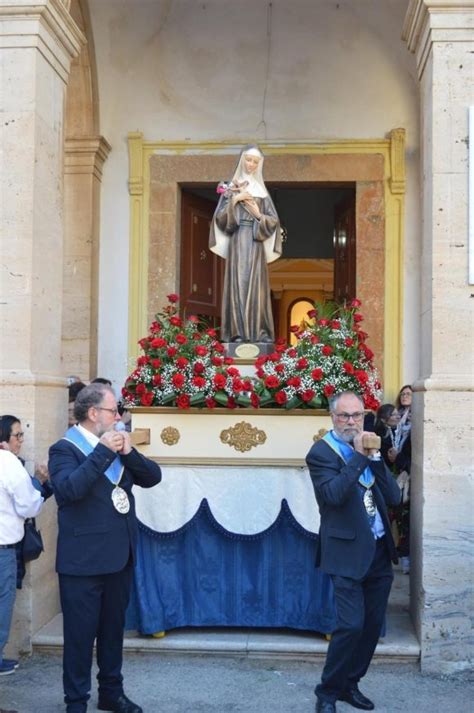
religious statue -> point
(245, 230)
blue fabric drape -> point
(203, 575)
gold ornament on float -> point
(243, 436)
(320, 434)
(170, 436)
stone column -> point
(441, 34)
(38, 39)
(84, 160)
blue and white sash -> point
(114, 471)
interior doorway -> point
(318, 261)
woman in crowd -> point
(396, 451)
(19, 499)
(11, 439)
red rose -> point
(280, 348)
(355, 303)
(199, 381)
(231, 402)
(181, 338)
(281, 398)
(199, 368)
(328, 390)
(349, 342)
(358, 317)
(323, 322)
(280, 368)
(348, 368)
(314, 339)
(368, 353)
(200, 350)
(143, 360)
(141, 389)
(143, 343)
(326, 350)
(272, 382)
(210, 403)
(217, 361)
(156, 363)
(371, 403)
(247, 386)
(294, 381)
(362, 336)
(335, 324)
(211, 332)
(260, 373)
(196, 336)
(156, 379)
(192, 318)
(218, 347)
(295, 328)
(308, 395)
(292, 353)
(158, 342)
(274, 357)
(181, 362)
(178, 381)
(175, 321)
(237, 385)
(172, 351)
(255, 400)
(183, 401)
(312, 313)
(361, 376)
(302, 363)
(317, 374)
(219, 381)
(260, 361)
(228, 360)
(147, 399)
(173, 298)
(155, 327)
(232, 371)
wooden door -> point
(344, 250)
(201, 270)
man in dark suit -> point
(353, 488)
(93, 469)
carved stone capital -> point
(86, 155)
(45, 25)
(431, 21)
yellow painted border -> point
(393, 151)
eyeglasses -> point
(112, 410)
(345, 417)
(18, 435)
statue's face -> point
(250, 163)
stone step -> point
(399, 644)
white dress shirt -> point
(19, 498)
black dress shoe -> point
(122, 704)
(325, 707)
(357, 699)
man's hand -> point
(358, 444)
(41, 473)
(113, 440)
(127, 446)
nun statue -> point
(245, 230)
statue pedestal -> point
(247, 350)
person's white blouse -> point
(19, 498)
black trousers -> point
(93, 608)
(360, 613)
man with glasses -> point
(353, 488)
(93, 469)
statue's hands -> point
(253, 209)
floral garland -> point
(184, 364)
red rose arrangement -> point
(184, 365)
(330, 356)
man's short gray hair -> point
(89, 396)
(333, 401)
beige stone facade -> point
(65, 213)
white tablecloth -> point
(244, 500)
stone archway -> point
(85, 153)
